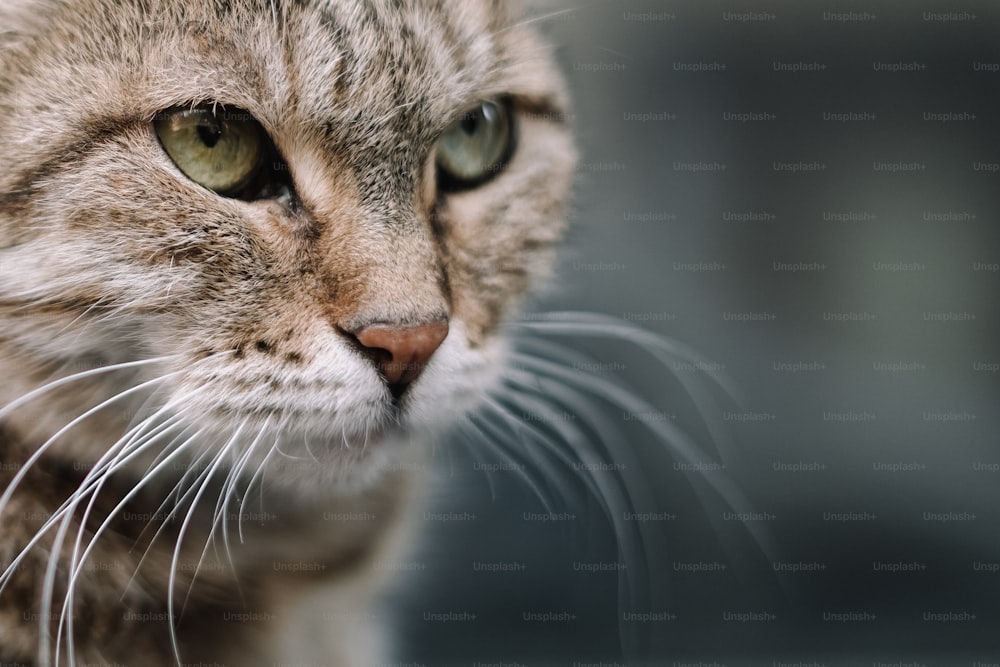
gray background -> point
(910, 257)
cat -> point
(254, 256)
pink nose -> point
(400, 353)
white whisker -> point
(78, 560)
(668, 352)
(532, 485)
(536, 19)
(596, 325)
(259, 473)
(675, 438)
(470, 447)
(235, 475)
(125, 449)
(108, 463)
(82, 375)
(614, 495)
(221, 507)
(38, 453)
(158, 514)
(171, 584)
(67, 511)
(67, 507)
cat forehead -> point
(380, 60)
(319, 59)
(351, 41)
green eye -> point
(221, 150)
(476, 146)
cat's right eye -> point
(223, 150)
(476, 146)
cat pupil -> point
(209, 133)
(470, 124)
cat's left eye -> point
(226, 151)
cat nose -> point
(400, 352)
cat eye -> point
(224, 150)
(475, 147)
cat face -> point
(317, 213)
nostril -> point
(401, 352)
(377, 356)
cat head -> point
(315, 214)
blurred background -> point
(804, 193)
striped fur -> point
(109, 255)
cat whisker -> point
(678, 442)
(55, 384)
(48, 587)
(96, 477)
(575, 449)
(510, 460)
(536, 19)
(473, 451)
(571, 437)
(221, 507)
(305, 441)
(165, 451)
(41, 450)
(584, 447)
(229, 491)
(668, 352)
(238, 474)
(176, 491)
(675, 438)
(111, 460)
(170, 452)
(78, 560)
(105, 465)
(179, 498)
(157, 465)
(259, 472)
(581, 323)
(570, 387)
(57, 516)
(172, 579)
(615, 498)
(291, 457)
